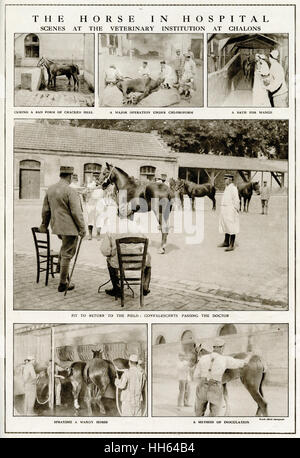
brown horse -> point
(194, 190)
(141, 197)
(245, 193)
(54, 70)
(145, 86)
(252, 376)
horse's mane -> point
(131, 180)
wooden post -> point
(52, 380)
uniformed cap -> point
(162, 61)
(140, 361)
(66, 169)
(228, 175)
(75, 175)
(133, 358)
(30, 358)
(145, 62)
(274, 54)
(219, 342)
(206, 346)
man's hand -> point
(82, 233)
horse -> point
(145, 85)
(252, 376)
(54, 70)
(194, 190)
(245, 191)
(142, 197)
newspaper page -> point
(149, 224)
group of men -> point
(207, 370)
(179, 73)
(131, 384)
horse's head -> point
(108, 176)
(256, 187)
(179, 185)
(41, 62)
(97, 353)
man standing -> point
(264, 197)
(209, 373)
(57, 381)
(132, 385)
(29, 378)
(178, 65)
(278, 92)
(229, 216)
(62, 208)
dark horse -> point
(245, 192)
(194, 190)
(141, 197)
(252, 376)
(145, 85)
(54, 70)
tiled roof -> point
(49, 137)
(211, 161)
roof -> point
(81, 141)
(211, 161)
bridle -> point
(108, 178)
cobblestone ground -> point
(60, 97)
(165, 295)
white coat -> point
(229, 222)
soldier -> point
(132, 385)
(178, 65)
(209, 373)
(264, 197)
(62, 208)
(229, 222)
(278, 92)
(29, 378)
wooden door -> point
(29, 184)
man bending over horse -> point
(109, 249)
(209, 373)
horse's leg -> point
(100, 404)
(240, 204)
(252, 380)
(76, 388)
(193, 203)
(212, 197)
(88, 399)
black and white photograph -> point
(248, 70)
(69, 370)
(220, 370)
(151, 70)
(54, 70)
(201, 204)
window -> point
(227, 329)
(147, 172)
(160, 340)
(32, 45)
(90, 170)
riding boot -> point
(64, 275)
(226, 242)
(90, 228)
(98, 233)
(116, 290)
(147, 278)
(231, 245)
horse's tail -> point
(261, 383)
(101, 380)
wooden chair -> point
(46, 258)
(130, 262)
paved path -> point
(165, 295)
(255, 273)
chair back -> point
(132, 253)
(41, 242)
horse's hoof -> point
(161, 251)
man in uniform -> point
(209, 373)
(264, 197)
(62, 208)
(29, 378)
(229, 216)
(277, 89)
(57, 380)
(132, 385)
(178, 65)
